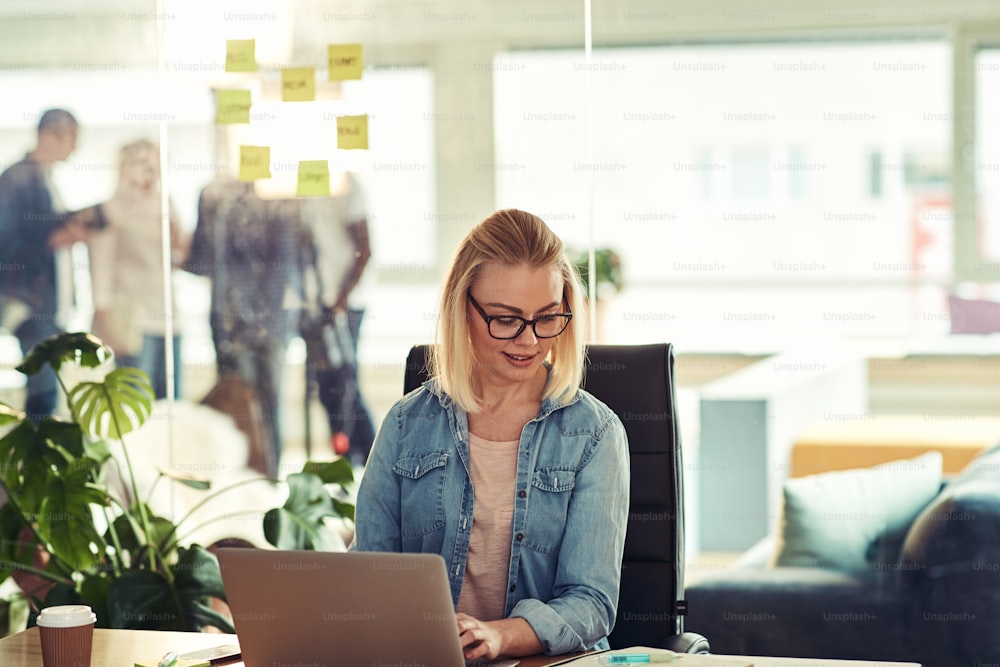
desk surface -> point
(121, 648)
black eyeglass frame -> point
(524, 323)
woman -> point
(500, 463)
(126, 261)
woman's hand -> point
(489, 640)
(478, 638)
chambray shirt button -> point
(519, 537)
(513, 588)
(522, 493)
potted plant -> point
(69, 536)
(607, 277)
(607, 271)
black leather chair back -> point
(637, 382)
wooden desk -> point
(121, 648)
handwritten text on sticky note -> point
(298, 84)
(241, 55)
(255, 162)
(352, 132)
(232, 106)
(314, 178)
(344, 61)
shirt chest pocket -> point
(547, 508)
(422, 480)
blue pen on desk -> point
(637, 658)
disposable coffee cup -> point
(67, 633)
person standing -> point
(250, 248)
(36, 233)
(341, 250)
(126, 261)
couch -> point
(906, 579)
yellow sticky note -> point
(255, 162)
(352, 132)
(314, 178)
(344, 61)
(232, 106)
(298, 84)
(241, 55)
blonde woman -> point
(501, 463)
(126, 265)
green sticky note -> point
(352, 132)
(298, 84)
(241, 55)
(232, 106)
(344, 61)
(255, 162)
(314, 178)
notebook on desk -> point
(357, 608)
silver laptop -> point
(354, 609)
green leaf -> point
(9, 415)
(299, 524)
(198, 483)
(124, 400)
(17, 444)
(97, 450)
(146, 600)
(64, 434)
(82, 348)
(11, 549)
(338, 471)
(134, 540)
(65, 521)
(345, 509)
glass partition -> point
(747, 183)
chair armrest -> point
(688, 642)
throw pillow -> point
(839, 519)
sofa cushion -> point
(845, 519)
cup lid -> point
(66, 616)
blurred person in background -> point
(36, 234)
(339, 255)
(126, 263)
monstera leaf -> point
(112, 408)
(83, 349)
(300, 523)
(147, 600)
(64, 518)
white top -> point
(493, 466)
(329, 219)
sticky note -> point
(298, 84)
(314, 178)
(241, 55)
(232, 106)
(352, 132)
(255, 162)
(344, 61)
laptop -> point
(326, 609)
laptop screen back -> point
(321, 609)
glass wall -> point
(766, 179)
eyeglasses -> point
(506, 327)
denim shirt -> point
(570, 508)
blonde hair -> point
(138, 150)
(510, 238)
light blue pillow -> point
(838, 519)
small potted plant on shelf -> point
(607, 277)
(70, 535)
(607, 271)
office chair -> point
(637, 382)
